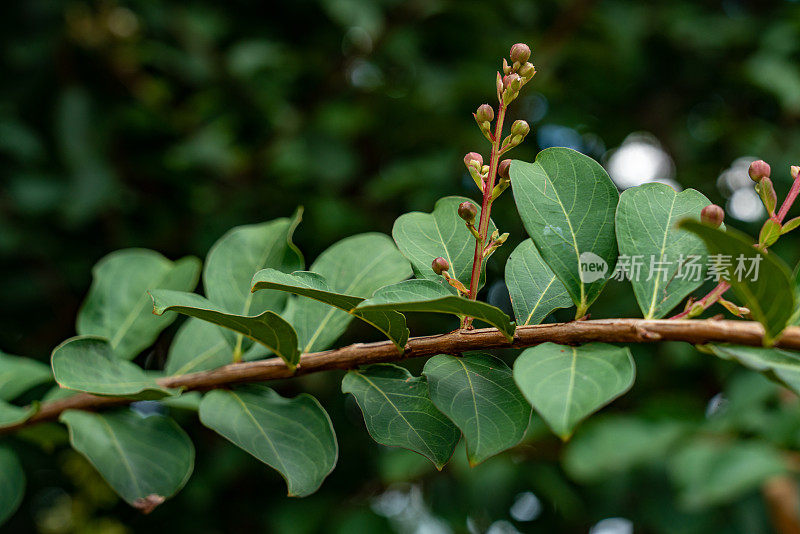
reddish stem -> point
(790, 198)
(486, 206)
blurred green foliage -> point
(162, 124)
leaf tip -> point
(149, 503)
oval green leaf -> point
(478, 393)
(645, 223)
(567, 384)
(88, 364)
(144, 459)
(567, 201)
(534, 289)
(237, 256)
(118, 306)
(398, 411)
(293, 436)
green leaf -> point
(769, 233)
(237, 256)
(88, 364)
(478, 393)
(355, 266)
(117, 306)
(144, 459)
(566, 201)
(18, 375)
(611, 445)
(11, 414)
(12, 483)
(422, 237)
(314, 286)
(267, 328)
(201, 346)
(293, 436)
(771, 296)
(534, 289)
(777, 364)
(709, 473)
(198, 346)
(645, 221)
(567, 384)
(398, 411)
(430, 297)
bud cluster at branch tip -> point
(712, 215)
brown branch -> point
(572, 333)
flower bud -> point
(440, 265)
(520, 53)
(520, 127)
(512, 81)
(473, 156)
(503, 168)
(795, 171)
(485, 113)
(712, 215)
(758, 170)
(527, 70)
(467, 211)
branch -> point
(456, 342)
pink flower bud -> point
(520, 127)
(473, 156)
(520, 53)
(467, 211)
(759, 169)
(712, 215)
(503, 168)
(795, 171)
(440, 265)
(485, 113)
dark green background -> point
(162, 124)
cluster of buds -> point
(440, 266)
(515, 75)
